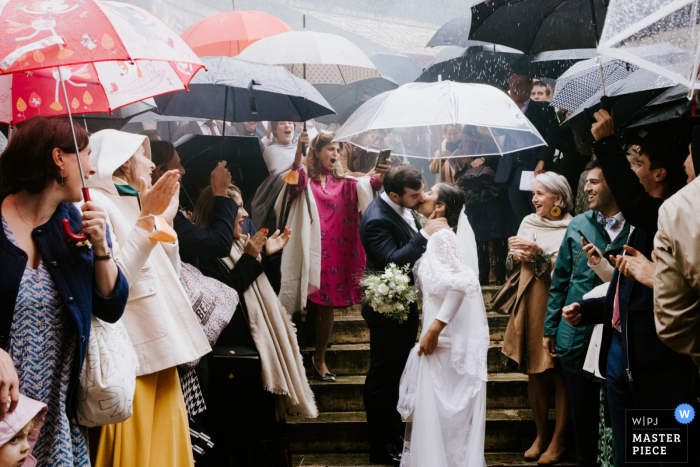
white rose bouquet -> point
(389, 292)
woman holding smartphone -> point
(342, 257)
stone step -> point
(503, 391)
(353, 360)
(511, 459)
(507, 430)
(353, 329)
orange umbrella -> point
(229, 33)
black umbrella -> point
(478, 64)
(551, 64)
(346, 99)
(535, 26)
(235, 91)
(627, 96)
(200, 154)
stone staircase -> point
(338, 436)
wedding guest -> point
(53, 287)
(637, 365)
(605, 228)
(337, 198)
(19, 432)
(261, 323)
(531, 263)
(158, 317)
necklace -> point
(20, 214)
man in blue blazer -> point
(512, 165)
(391, 233)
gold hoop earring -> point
(555, 211)
(63, 180)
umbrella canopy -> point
(398, 67)
(346, 99)
(551, 64)
(530, 26)
(224, 92)
(200, 154)
(108, 54)
(41, 35)
(583, 80)
(317, 57)
(231, 32)
(661, 36)
(486, 113)
(478, 64)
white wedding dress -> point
(443, 395)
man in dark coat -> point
(641, 371)
(391, 233)
(512, 165)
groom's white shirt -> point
(405, 214)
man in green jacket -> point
(605, 227)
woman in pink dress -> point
(342, 255)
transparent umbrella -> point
(662, 36)
(414, 113)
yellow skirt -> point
(157, 434)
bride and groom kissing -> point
(437, 386)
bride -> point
(443, 387)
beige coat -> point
(677, 281)
(163, 329)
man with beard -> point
(605, 227)
(390, 233)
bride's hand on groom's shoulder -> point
(434, 225)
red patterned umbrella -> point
(102, 55)
(228, 34)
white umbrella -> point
(661, 36)
(493, 124)
(328, 59)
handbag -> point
(212, 301)
(108, 376)
(503, 301)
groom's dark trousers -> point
(387, 238)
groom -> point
(391, 233)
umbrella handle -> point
(66, 225)
(604, 104)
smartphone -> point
(383, 157)
(586, 242)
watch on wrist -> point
(103, 258)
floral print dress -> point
(342, 255)
(43, 348)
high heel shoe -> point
(328, 377)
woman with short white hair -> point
(530, 263)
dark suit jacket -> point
(215, 242)
(387, 238)
(543, 117)
(646, 352)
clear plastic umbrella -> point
(413, 114)
(662, 36)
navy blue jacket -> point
(72, 269)
(387, 238)
(646, 352)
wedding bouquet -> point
(389, 292)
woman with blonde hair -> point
(337, 199)
(532, 257)
(158, 317)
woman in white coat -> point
(158, 316)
